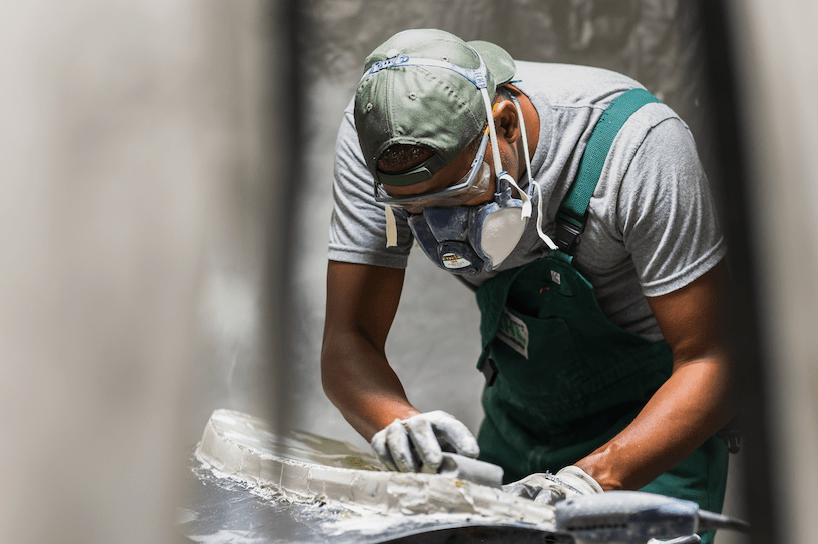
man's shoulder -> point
(570, 84)
(577, 70)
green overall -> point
(563, 379)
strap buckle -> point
(568, 230)
(487, 367)
(731, 437)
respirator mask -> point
(472, 239)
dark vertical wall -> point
(768, 135)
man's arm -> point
(691, 406)
(361, 304)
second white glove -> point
(416, 444)
(547, 488)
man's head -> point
(413, 108)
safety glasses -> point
(473, 184)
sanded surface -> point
(306, 468)
(226, 511)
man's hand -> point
(416, 444)
(549, 488)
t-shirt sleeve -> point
(666, 211)
(358, 226)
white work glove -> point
(547, 488)
(416, 444)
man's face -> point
(457, 171)
(454, 173)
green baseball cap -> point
(420, 87)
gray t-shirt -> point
(651, 226)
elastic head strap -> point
(478, 76)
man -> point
(601, 308)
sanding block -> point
(472, 470)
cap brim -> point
(499, 62)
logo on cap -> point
(388, 63)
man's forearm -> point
(361, 384)
(361, 305)
(689, 408)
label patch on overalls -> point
(555, 277)
(514, 332)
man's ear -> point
(507, 121)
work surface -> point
(220, 511)
(248, 485)
(294, 488)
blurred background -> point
(165, 178)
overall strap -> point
(574, 207)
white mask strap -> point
(526, 209)
(391, 227)
(495, 150)
(498, 166)
(544, 237)
(525, 140)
